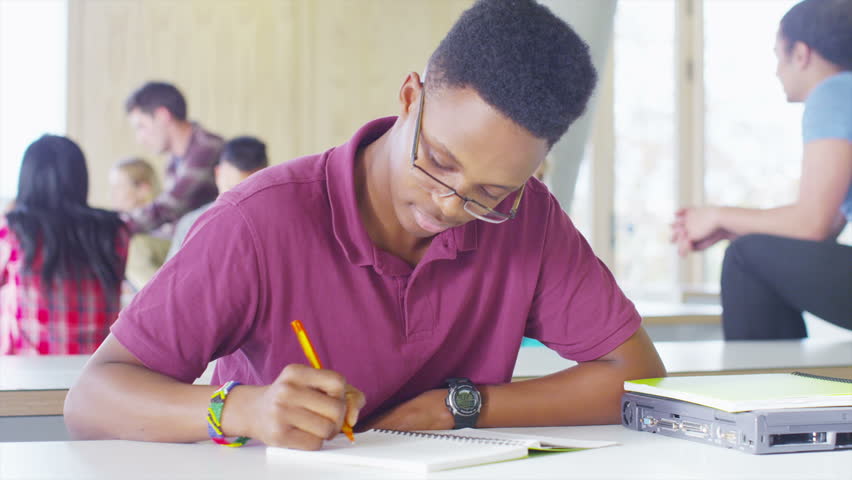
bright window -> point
(644, 109)
(751, 137)
(33, 44)
(753, 140)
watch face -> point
(466, 400)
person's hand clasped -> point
(303, 407)
(697, 228)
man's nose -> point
(452, 207)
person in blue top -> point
(786, 260)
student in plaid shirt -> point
(158, 115)
(61, 261)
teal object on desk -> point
(530, 342)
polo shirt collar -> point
(345, 218)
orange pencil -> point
(311, 354)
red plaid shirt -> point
(71, 317)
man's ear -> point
(162, 115)
(409, 94)
(802, 55)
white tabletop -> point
(45, 372)
(59, 372)
(712, 356)
(640, 456)
(37, 385)
(51, 372)
(678, 313)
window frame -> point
(689, 150)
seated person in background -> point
(241, 157)
(61, 261)
(158, 114)
(786, 260)
(134, 184)
(417, 255)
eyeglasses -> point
(432, 184)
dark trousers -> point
(768, 281)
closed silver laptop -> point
(757, 432)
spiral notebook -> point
(428, 451)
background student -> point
(134, 184)
(157, 112)
(785, 260)
(241, 157)
(61, 261)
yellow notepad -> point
(427, 451)
(740, 393)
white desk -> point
(32, 394)
(719, 357)
(668, 313)
(33, 389)
(640, 456)
(38, 385)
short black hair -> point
(245, 153)
(824, 26)
(522, 60)
(153, 95)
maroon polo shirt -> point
(289, 243)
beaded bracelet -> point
(214, 416)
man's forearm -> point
(586, 394)
(787, 221)
(116, 400)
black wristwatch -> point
(463, 401)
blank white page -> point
(409, 451)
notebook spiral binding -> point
(456, 438)
(821, 377)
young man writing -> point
(417, 255)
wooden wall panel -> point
(300, 74)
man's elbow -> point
(78, 418)
(638, 358)
(72, 416)
(651, 367)
(816, 231)
(645, 366)
(656, 370)
(816, 224)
